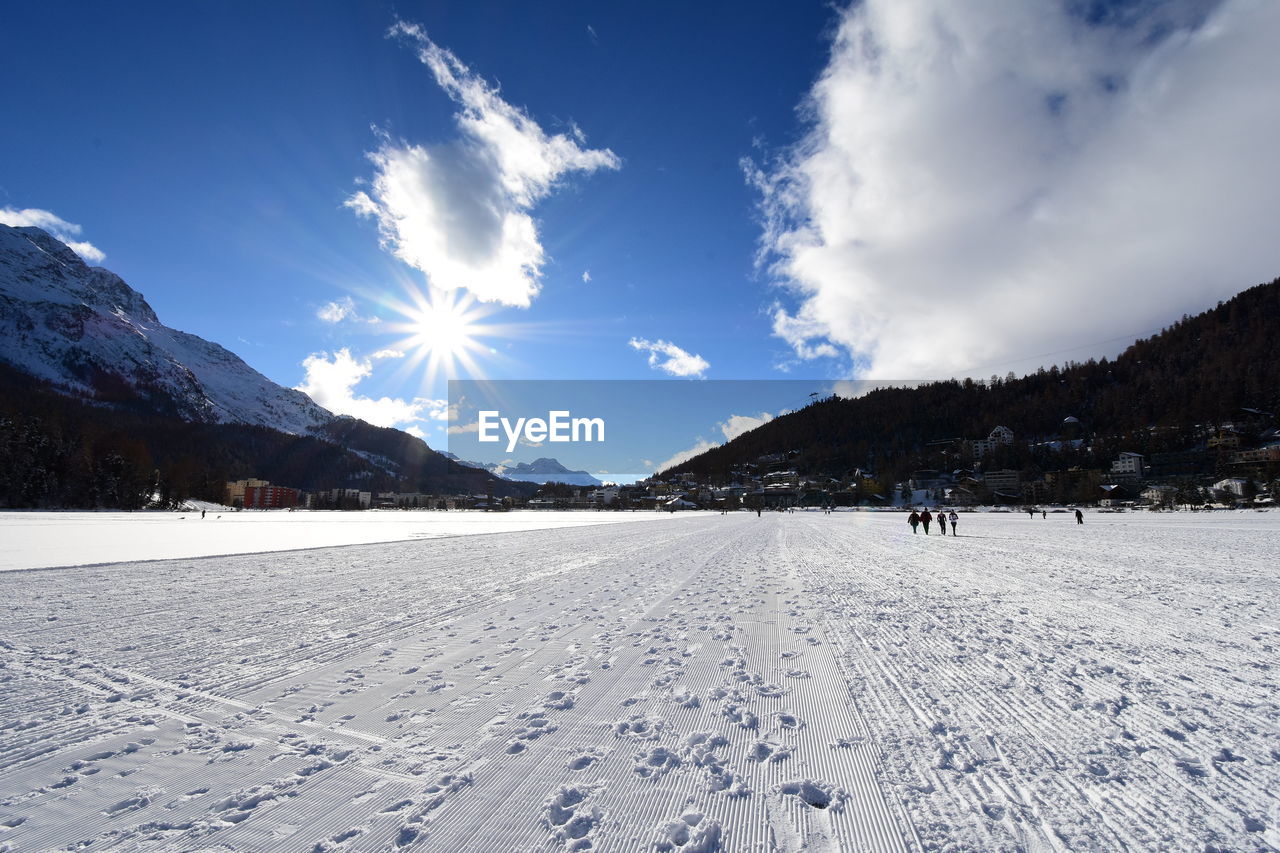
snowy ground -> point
(799, 681)
(47, 539)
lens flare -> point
(442, 331)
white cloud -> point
(336, 312)
(984, 183)
(677, 362)
(436, 410)
(698, 449)
(586, 276)
(736, 425)
(461, 429)
(460, 212)
(55, 225)
(851, 389)
(331, 381)
(730, 428)
(91, 253)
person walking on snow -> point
(925, 518)
(942, 521)
(1079, 517)
(954, 519)
(914, 521)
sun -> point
(444, 327)
(442, 331)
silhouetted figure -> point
(954, 519)
(1079, 517)
(914, 521)
(925, 518)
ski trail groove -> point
(714, 683)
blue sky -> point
(646, 425)
(623, 191)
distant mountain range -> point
(543, 470)
(96, 392)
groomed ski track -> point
(793, 682)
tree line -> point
(1155, 397)
(58, 451)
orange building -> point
(270, 497)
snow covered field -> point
(799, 681)
(47, 539)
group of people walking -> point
(916, 519)
(1031, 513)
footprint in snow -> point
(639, 727)
(685, 699)
(690, 833)
(570, 816)
(345, 835)
(787, 720)
(585, 759)
(768, 752)
(815, 793)
(656, 762)
(740, 716)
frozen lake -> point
(696, 683)
(48, 539)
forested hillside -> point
(1202, 370)
(57, 451)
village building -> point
(1000, 436)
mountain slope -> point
(89, 334)
(102, 405)
(1152, 398)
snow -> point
(797, 681)
(541, 470)
(59, 316)
(49, 539)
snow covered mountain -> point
(86, 331)
(543, 470)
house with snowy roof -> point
(978, 448)
(1234, 486)
(1127, 468)
(1113, 494)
